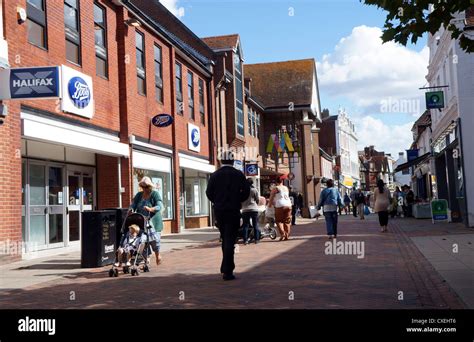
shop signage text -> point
(79, 92)
(162, 120)
(439, 210)
(29, 83)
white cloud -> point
(367, 72)
(172, 6)
(388, 138)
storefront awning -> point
(188, 162)
(56, 132)
(413, 162)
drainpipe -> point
(119, 165)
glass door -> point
(74, 205)
(43, 193)
(81, 197)
(38, 210)
(56, 205)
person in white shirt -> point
(280, 199)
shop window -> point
(195, 185)
(163, 185)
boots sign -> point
(71, 86)
(29, 83)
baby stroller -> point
(140, 256)
(268, 230)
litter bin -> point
(98, 238)
(121, 215)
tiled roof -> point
(157, 14)
(222, 42)
(281, 83)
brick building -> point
(289, 92)
(119, 64)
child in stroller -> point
(137, 247)
(129, 246)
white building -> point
(401, 178)
(346, 149)
(450, 69)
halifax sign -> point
(30, 83)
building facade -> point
(450, 71)
(338, 138)
(86, 148)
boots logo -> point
(195, 137)
(79, 92)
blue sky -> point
(357, 73)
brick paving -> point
(294, 274)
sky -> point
(376, 84)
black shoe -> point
(228, 277)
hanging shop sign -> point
(439, 210)
(412, 155)
(434, 100)
(239, 165)
(251, 170)
(30, 83)
(162, 120)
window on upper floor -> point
(100, 33)
(201, 102)
(158, 74)
(73, 31)
(36, 22)
(191, 95)
(140, 56)
(239, 94)
(179, 88)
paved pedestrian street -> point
(377, 271)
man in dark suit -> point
(227, 189)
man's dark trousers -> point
(229, 223)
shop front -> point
(195, 208)
(59, 177)
(449, 172)
(158, 166)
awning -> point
(413, 162)
(56, 132)
(188, 162)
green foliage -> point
(410, 19)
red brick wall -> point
(107, 182)
(24, 54)
(10, 179)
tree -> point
(413, 18)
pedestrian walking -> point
(360, 203)
(330, 199)
(280, 199)
(347, 204)
(294, 205)
(227, 189)
(250, 212)
(148, 202)
(353, 201)
(382, 200)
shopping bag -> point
(366, 211)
